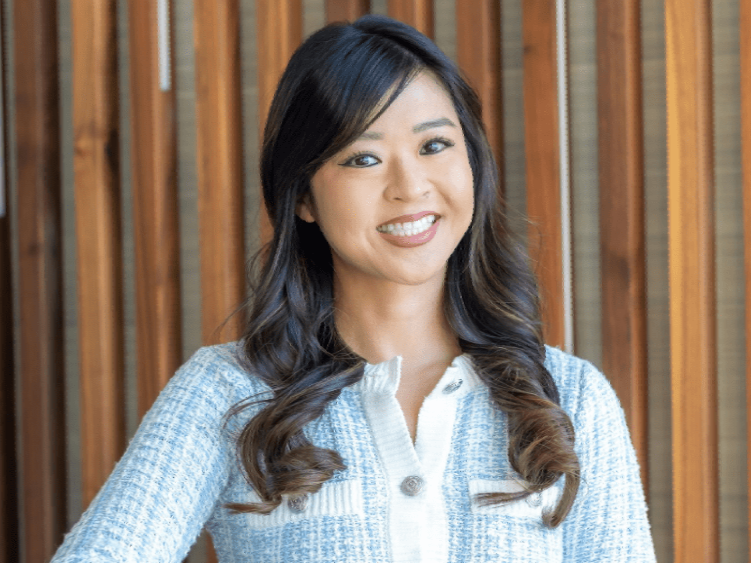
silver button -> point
(534, 500)
(298, 504)
(412, 485)
(453, 386)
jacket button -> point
(412, 485)
(534, 500)
(298, 503)
(453, 386)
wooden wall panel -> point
(346, 10)
(478, 50)
(220, 180)
(417, 13)
(541, 123)
(9, 516)
(40, 342)
(155, 214)
(745, 70)
(622, 228)
(100, 273)
(692, 292)
(279, 32)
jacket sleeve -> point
(608, 521)
(165, 486)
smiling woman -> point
(391, 399)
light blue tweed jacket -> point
(396, 501)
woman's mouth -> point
(408, 229)
(410, 233)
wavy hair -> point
(338, 82)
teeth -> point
(408, 229)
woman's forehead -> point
(422, 104)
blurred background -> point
(130, 201)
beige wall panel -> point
(658, 326)
(730, 284)
(514, 169)
(584, 179)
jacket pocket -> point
(529, 507)
(342, 498)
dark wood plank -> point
(478, 50)
(9, 516)
(693, 333)
(622, 229)
(745, 63)
(279, 32)
(155, 213)
(98, 234)
(40, 342)
(220, 180)
(417, 13)
(542, 148)
(346, 10)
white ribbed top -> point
(418, 524)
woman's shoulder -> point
(219, 371)
(580, 384)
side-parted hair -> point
(338, 82)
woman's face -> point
(395, 203)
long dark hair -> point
(336, 84)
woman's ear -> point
(305, 209)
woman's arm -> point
(608, 521)
(164, 488)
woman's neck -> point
(385, 320)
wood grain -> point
(279, 32)
(417, 13)
(219, 153)
(693, 336)
(346, 10)
(478, 50)
(543, 160)
(155, 208)
(745, 72)
(98, 234)
(9, 485)
(40, 342)
(622, 228)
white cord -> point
(163, 23)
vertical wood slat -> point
(478, 49)
(100, 272)
(417, 13)
(622, 238)
(9, 517)
(220, 179)
(541, 122)
(38, 215)
(745, 75)
(693, 339)
(346, 10)
(279, 32)
(154, 165)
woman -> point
(391, 398)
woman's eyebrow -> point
(433, 123)
(419, 128)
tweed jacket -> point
(397, 501)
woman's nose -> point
(407, 181)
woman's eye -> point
(435, 146)
(361, 161)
